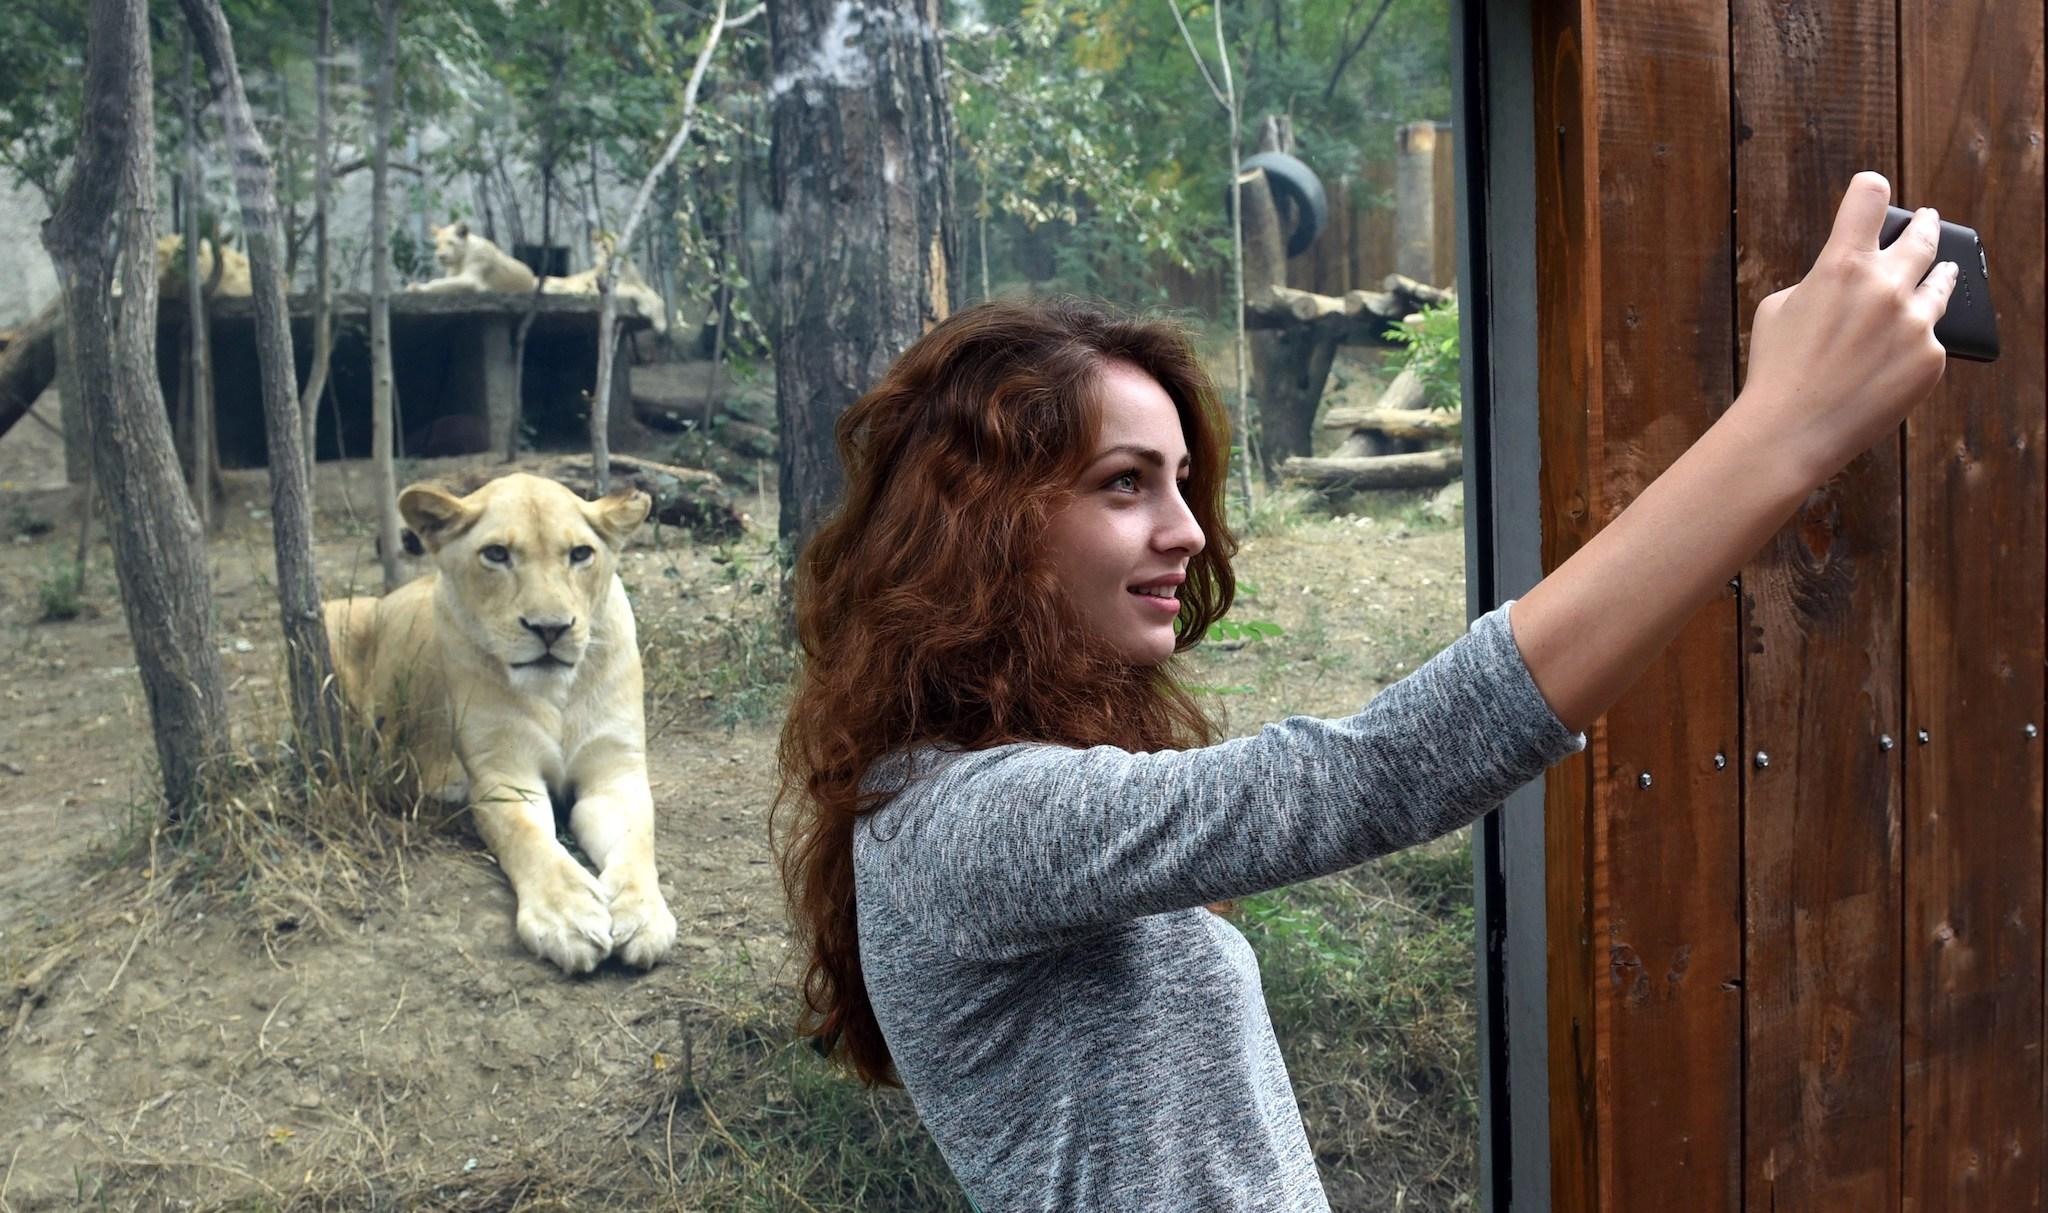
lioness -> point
(470, 262)
(630, 287)
(510, 673)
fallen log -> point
(1409, 425)
(28, 365)
(1423, 469)
(1355, 316)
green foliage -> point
(1431, 338)
(1227, 630)
(1095, 152)
(1369, 978)
(61, 590)
(42, 69)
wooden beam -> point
(1970, 92)
(1821, 659)
(1643, 842)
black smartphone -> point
(1970, 328)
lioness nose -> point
(548, 632)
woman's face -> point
(1122, 545)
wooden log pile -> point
(1393, 443)
(1355, 317)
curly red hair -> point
(927, 612)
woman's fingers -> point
(1860, 217)
(1914, 251)
(1930, 298)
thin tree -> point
(316, 699)
(607, 279)
(1226, 96)
(382, 381)
(866, 251)
(323, 254)
(197, 381)
(107, 215)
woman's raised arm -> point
(1835, 365)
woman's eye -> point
(581, 553)
(496, 553)
(1125, 483)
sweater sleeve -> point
(1006, 851)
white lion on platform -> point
(471, 263)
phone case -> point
(1970, 327)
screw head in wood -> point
(1720, 762)
(1885, 743)
(2032, 731)
(1643, 780)
(1762, 760)
(1923, 737)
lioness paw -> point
(643, 929)
(570, 924)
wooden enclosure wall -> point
(1794, 886)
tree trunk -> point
(1292, 365)
(866, 247)
(71, 409)
(108, 213)
(383, 383)
(316, 699)
(323, 254)
(196, 411)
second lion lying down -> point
(511, 675)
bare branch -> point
(608, 279)
(1199, 62)
(1351, 52)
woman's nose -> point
(1178, 530)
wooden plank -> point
(1567, 271)
(1821, 664)
(1444, 197)
(1971, 135)
(1645, 915)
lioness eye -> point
(496, 553)
(581, 553)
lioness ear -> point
(462, 230)
(435, 515)
(619, 515)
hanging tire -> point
(1297, 192)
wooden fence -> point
(1794, 887)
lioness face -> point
(529, 561)
(451, 244)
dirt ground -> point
(159, 1050)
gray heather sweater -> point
(1076, 1032)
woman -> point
(1009, 815)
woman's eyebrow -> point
(1145, 453)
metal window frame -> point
(1493, 96)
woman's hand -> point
(1836, 362)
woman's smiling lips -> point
(1159, 593)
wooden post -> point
(1821, 613)
(1415, 203)
(1970, 144)
(1637, 354)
